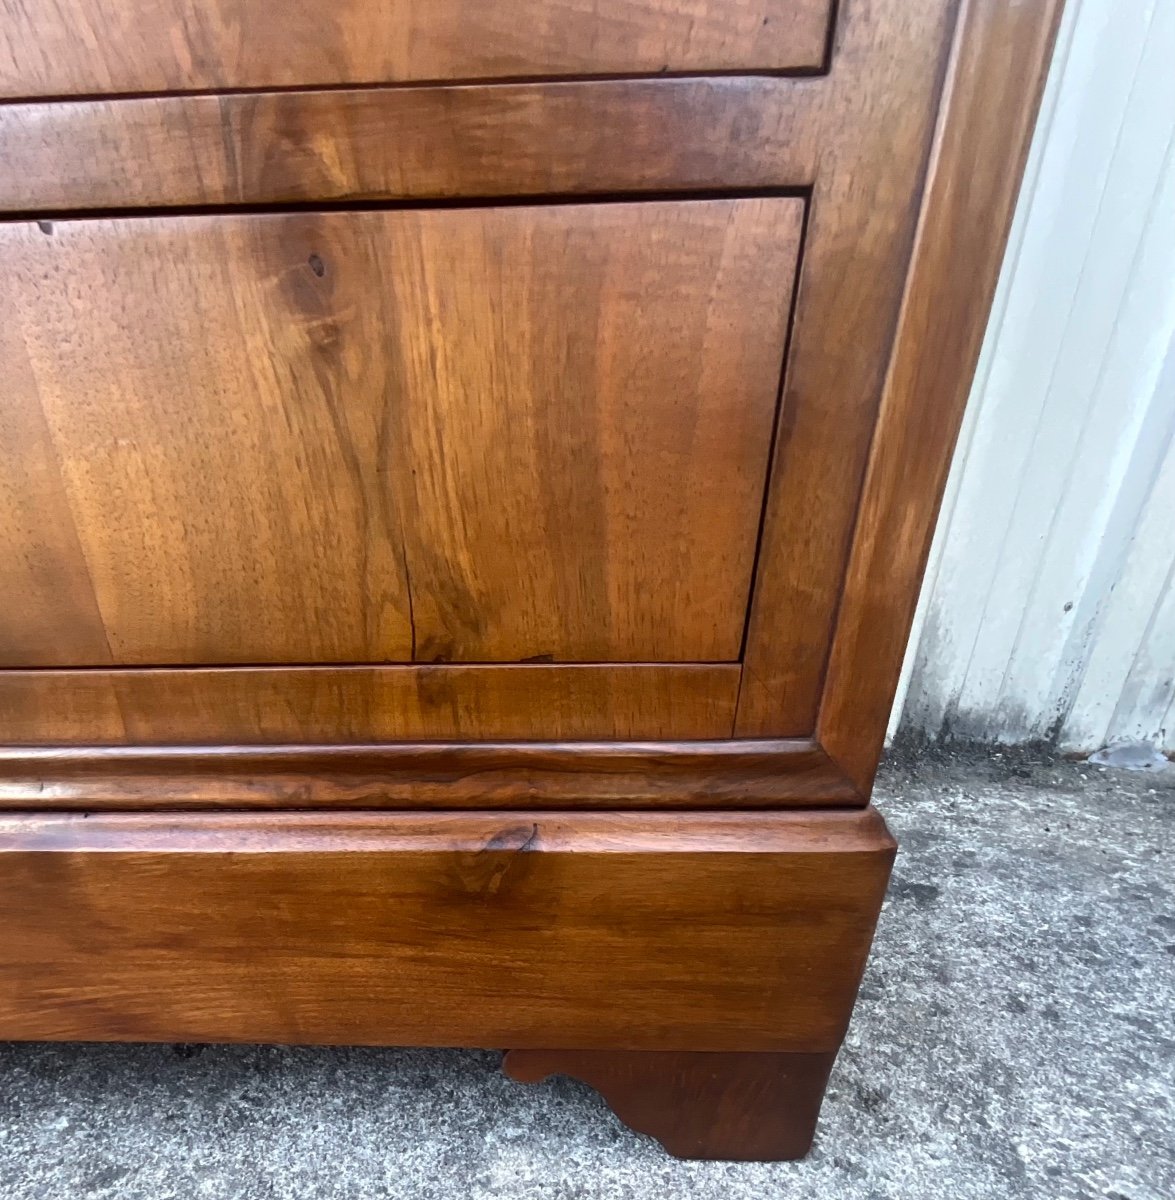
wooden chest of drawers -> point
(465, 473)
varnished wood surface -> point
(224, 706)
(878, 117)
(990, 107)
(614, 931)
(423, 143)
(857, 138)
(259, 504)
(566, 833)
(486, 434)
(735, 1107)
(532, 775)
(79, 47)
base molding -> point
(714, 931)
(734, 1106)
(768, 773)
(593, 944)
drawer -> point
(466, 434)
(331, 420)
(707, 932)
(87, 47)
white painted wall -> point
(1048, 609)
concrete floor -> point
(1015, 1038)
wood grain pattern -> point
(79, 47)
(392, 435)
(877, 121)
(990, 107)
(365, 704)
(859, 137)
(532, 775)
(192, 388)
(420, 143)
(617, 931)
(42, 554)
(479, 433)
(740, 1107)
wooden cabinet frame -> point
(698, 964)
(914, 192)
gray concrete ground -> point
(1015, 1038)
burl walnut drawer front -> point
(80, 47)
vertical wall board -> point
(1113, 391)
(1022, 619)
(967, 640)
(1125, 691)
(1123, 622)
(929, 703)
